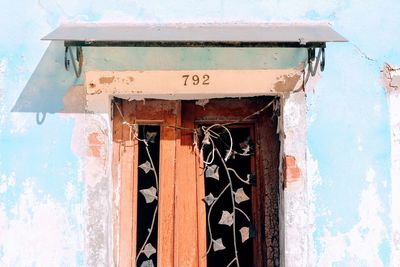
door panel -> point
(265, 164)
(183, 213)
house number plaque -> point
(196, 79)
(189, 84)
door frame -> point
(181, 204)
(103, 182)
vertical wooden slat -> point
(201, 212)
(186, 243)
(126, 206)
(166, 192)
(127, 194)
(117, 138)
(134, 198)
(115, 197)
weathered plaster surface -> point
(351, 132)
(172, 84)
(294, 196)
(391, 80)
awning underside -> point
(237, 35)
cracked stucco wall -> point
(351, 169)
(391, 81)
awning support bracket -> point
(319, 60)
(77, 60)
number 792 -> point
(196, 79)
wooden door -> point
(218, 210)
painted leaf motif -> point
(212, 172)
(145, 166)
(244, 232)
(149, 250)
(151, 136)
(206, 139)
(148, 263)
(226, 218)
(246, 147)
(209, 199)
(149, 194)
(218, 245)
(240, 196)
(246, 150)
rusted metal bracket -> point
(78, 58)
(319, 60)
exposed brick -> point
(292, 172)
(93, 139)
(290, 161)
(95, 144)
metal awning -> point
(191, 35)
(310, 36)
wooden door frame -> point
(103, 182)
(173, 245)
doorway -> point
(204, 187)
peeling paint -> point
(360, 245)
(32, 211)
(108, 80)
(391, 80)
(286, 83)
(292, 172)
(344, 99)
(173, 84)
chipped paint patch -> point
(391, 80)
(7, 182)
(108, 80)
(37, 231)
(292, 172)
(295, 197)
(360, 245)
(95, 144)
(286, 83)
(313, 181)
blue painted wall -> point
(41, 193)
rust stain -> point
(291, 171)
(106, 80)
(286, 83)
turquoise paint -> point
(343, 113)
(340, 111)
